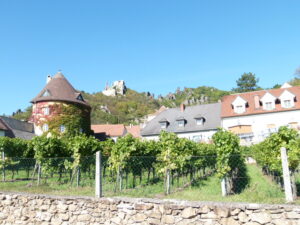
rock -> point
(188, 213)
(204, 209)
(282, 222)
(243, 217)
(168, 219)
(153, 221)
(210, 215)
(72, 208)
(251, 223)
(139, 217)
(293, 215)
(64, 217)
(85, 217)
(155, 215)
(222, 212)
(143, 206)
(116, 220)
(235, 212)
(229, 221)
(261, 218)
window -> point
(46, 94)
(181, 123)
(200, 121)
(45, 127)
(268, 106)
(46, 111)
(80, 98)
(62, 128)
(163, 125)
(197, 138)
(287, 104)
(239, 109)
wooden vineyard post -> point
(98, 177)
(286, 176)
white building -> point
(255, 115)
(196, 123)
(117, 88)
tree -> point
(247, 82)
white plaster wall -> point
(2, 133)
(259, 122)
(206, 135)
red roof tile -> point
(227, 110)
(134, 130)
(113, 130)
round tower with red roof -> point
(60, 109)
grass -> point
(260, 189)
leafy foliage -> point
(267, 153)
(247, 82)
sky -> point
(154, 45)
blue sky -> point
(154, 45)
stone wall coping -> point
(184, 203)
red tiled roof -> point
(134, 130)
(227, 110)
(113, 130)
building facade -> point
(197, 123)
(60, 109)
(253, 116)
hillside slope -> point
(134, 106)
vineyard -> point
(170, 167)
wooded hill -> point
(134, 106)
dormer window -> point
(287, 99)
(239, 105)
(80, 98)
(239, 109)
(199, 120)
(268, 106)
(163, 123)
(268, 101)
(46, 94)
(180, 121)
(287, 104)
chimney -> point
(48, 78)
(182, 107)
(256, 102)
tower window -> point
(45, 127)
(46, 111)
(62, 128)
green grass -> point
(260, 189)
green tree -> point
(247, 82)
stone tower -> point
(60, 109)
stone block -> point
(222, 212)
(168, 219)
(188, 213)
(261, 218)
(293, 215)
(243, 217)
(229, 221)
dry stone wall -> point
(17, 208)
